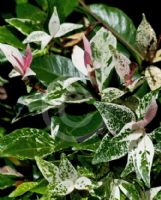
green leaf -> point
(23, 188)
(6, 36)
(143, 157)
(28, 11)
(116, 19)
(48, 170)
(102, 56)
(25, 26)
(146, 39)
(50, 67)
(27, 143)
(3, 81)
(6, 181)
(115, 116)
(64, 7)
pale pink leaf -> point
(54, 23)
(88, 51)
(13, 56)
(27, 58)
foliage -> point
(96, 83)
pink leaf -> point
(88, 52)
(27, 58)
(128, 77)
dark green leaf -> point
(26, 143)
(6, 181)
(50, 67)
(7, 37)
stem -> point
(115, 33)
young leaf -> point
(115, 116)
(115, 193)
(153, 77)
(27, 143)
(146, 39)
(23, 188)
(54, 23)
(143, 157)
(152, 193)
(83, 183)
(49, 170)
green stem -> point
(115, 33)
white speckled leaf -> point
(143, 158)
(54, 23)
(38, 36)
(83, 183)
(23, 188)
(115, 116)
(153, 77)
(146, 39)
(102, 55)
(109, 94)
(62, 189)
(66, 169)
(66, 28)
(129, 166)
(48, 170)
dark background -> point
(133, 8)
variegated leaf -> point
(54, 23)
(121, 63)
(38, 36)
(157, 57)
(115, 116)
(146, 39)
(144, 104)
(66, 170)
(102, 55)
(143, 158)
(153, 77)
(152, 193)
(61, 189)
(129, 166)
(109, 94)
(83, 183)
(48, 170)
(66, 28)
(115, 193)
(129, 190)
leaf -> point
(8, 171)
(83, 183)
(109, 94)
(129, 166)
(50, 67)
(62, 189)
(54, 23)
(48, 170)
(153, 77)
(64, 7)
(25, 26)
(38, 36)
(143, 158)
(6, 36)
(6, 182)
(152, 193)
(144, 104)
(146, 39)
(115, 116)
(66, 170)
(129, 190)
(116, 19)
(28, 11)
(23, 188)
(115, 193)
(101, 55)
(66, 28)
(27, 143)
(118, 146)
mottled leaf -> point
(115, 116)
(109, 94)
(153, 77)
(27, 143)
